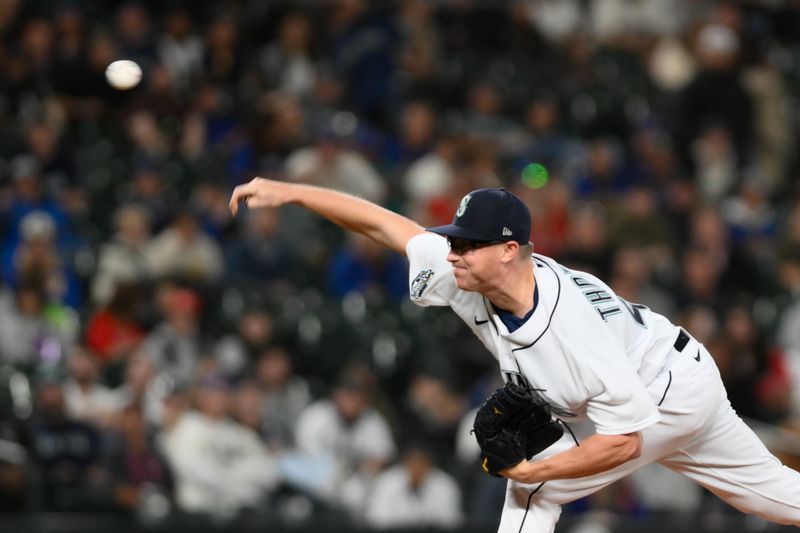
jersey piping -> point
(490, 312)
(552, 312)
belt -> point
(680, 343)
(682, 340)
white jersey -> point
(617, 364)
(592, 352)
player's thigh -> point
(731, 461)
(535, 508)
(688, 395)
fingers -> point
(242, 192)
(237, 195)
(258, 192)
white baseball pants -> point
(699, 435)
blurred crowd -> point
(158, 356)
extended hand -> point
(260, 192)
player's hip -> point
(688, 395)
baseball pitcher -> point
(569, 349)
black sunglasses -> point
(462, 246)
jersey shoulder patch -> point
(420, 283)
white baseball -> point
(123, 74)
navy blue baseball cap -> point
(489, 215)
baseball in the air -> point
(123, 74)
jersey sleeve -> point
(430, 276)
(617, 401)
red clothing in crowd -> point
(110, 336)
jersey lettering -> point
(580, 282)
(607, 312)
(634, 310)
(516, 378)
(596, 296)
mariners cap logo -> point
(491, 214)
(462, 207)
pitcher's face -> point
(474, 262)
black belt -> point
(682, 340)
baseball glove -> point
(513, 424)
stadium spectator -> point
(632, 278)
(122, 259)
(434, 408)
(700, 279)
(717, 95)
(750, 217)
(260, 251)
(415, 494)
(485, 118)
(85, 397)
(184, 251)
(223, 59)
(362, 266)
(616, 20)
(550, 209)
(281, 130)
(148, 187)
(714, 160)
(739, 269)
(604, 177)
(176, 343)
(116, 329)
(236, 353)
(27, 337)
(247, 407)
(329, 162)
(221, 467)
(139, 476)
(54, 156)
(750, 365)
(287, 64)
(587, 246)
(347, 430)
(359, 43)
(37, 256)
(547, 140)
(134, 33)
(141, 389)
(179, 49)
(66, 453)
(416, 133)
(556, 21)
(431, 175)
(286, 397)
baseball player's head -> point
(490, 233)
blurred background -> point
(166, 367)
